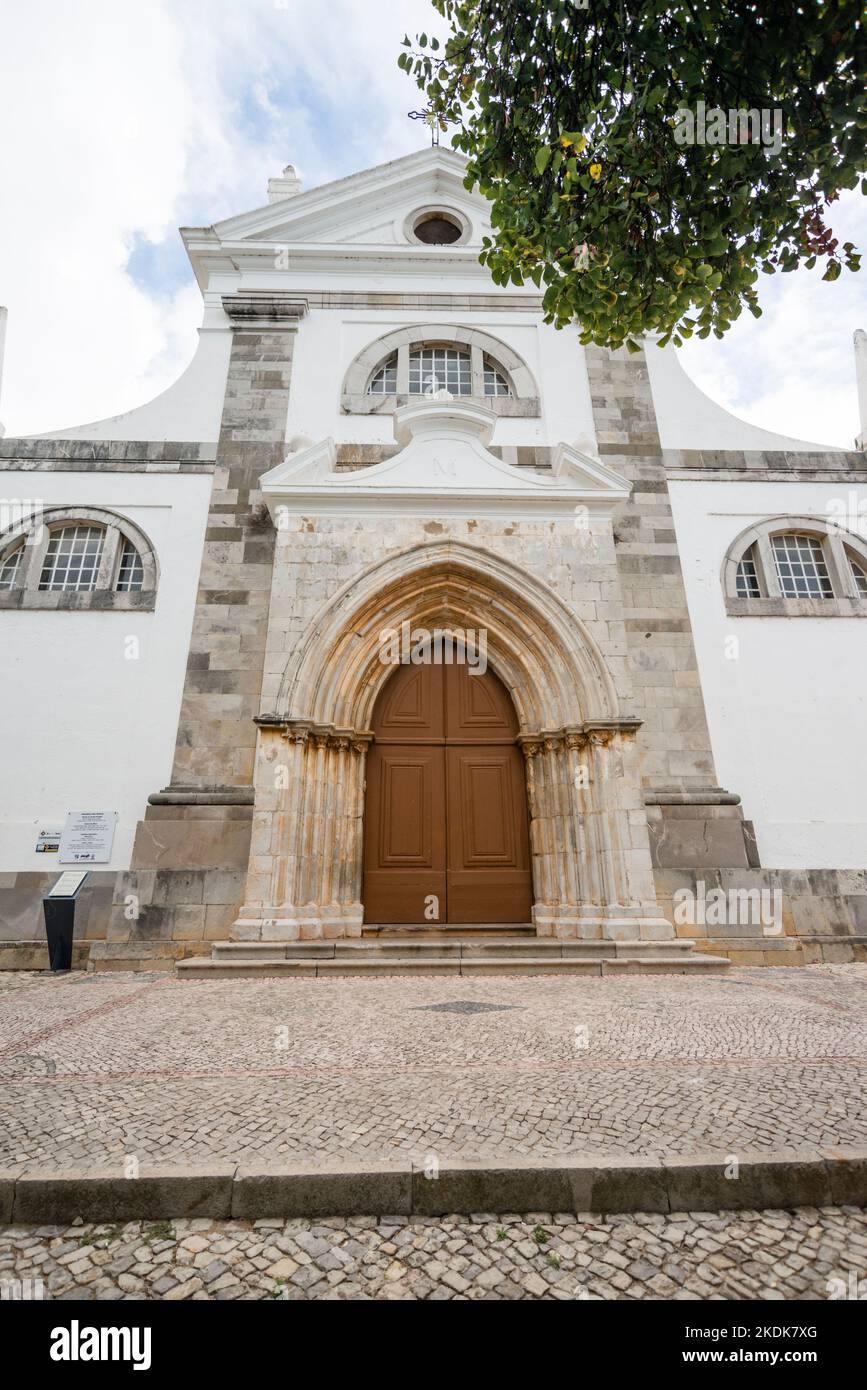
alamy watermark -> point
(739, 126)
(422, 646)
(848, 1287)
(720, 907)
(20, 511)
(30, 1289)
(848, 513)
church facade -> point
(401, 610)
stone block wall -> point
(21, 894)
(675, 740)
(822, 916)
(192, 848)
(677, 759)
(315, 559)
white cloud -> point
(793, 370)
(125, 121)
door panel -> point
(478, 708)
(404, 842)
(410, 708)
(445, 807)
(488, 876)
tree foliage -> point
(568, 114)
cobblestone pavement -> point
(736, 1255)
(100, 1067)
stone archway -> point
(592, 872)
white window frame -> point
(487, 354)
(63, 561)
(840, 548)
(32, 538)
(12, 557)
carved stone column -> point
(592, 871)
(304, 881)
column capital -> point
(577, 735)
(300, 730)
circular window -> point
(437, 228)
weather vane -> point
(435, 121)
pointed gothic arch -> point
(592, 872)
(552, 667)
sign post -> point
(59, 909)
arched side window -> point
(76, 558)
(412, 362)
(796, 566)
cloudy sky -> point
(125, 119)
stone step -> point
(365, 965)
(419, 947)
(783, 944)
(446, 930)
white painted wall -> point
(313, 232)
(688, 419)
(189, 411)
(81, 727)
(788, 717)
(329, 340)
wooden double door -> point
(446, 831)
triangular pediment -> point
(445, 467)
(367, 208)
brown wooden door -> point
(446, 834)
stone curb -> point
(698, 1182)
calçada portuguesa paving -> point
(99, 1069)
(102, 1068)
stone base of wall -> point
(33, 955)
(692, 829)
(21, 894)
(151, 955)
(822, 916)
(595, 925)
(189, 875)
(289, 923)
(769, 916)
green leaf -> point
(686, 227)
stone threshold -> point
(702, 1181)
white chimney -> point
(287, 186)
(861, 379)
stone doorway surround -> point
(592, 871)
